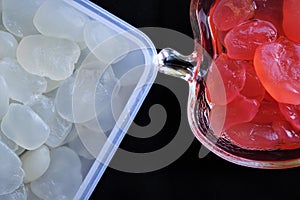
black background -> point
(188, 177)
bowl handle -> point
(173, 63)
(194, 66)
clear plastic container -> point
(136, 70)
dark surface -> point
(189, 177)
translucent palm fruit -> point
(23, 126)
(100, 38)
(63, 177)
(11, 173)
(59, 127)
(21, 84)
(47, 56)
(18, 194)
(18, 16)
(35, 163)
(63, 22)
(9, 143)
(83, 97)
(8, 45)
(88, 143)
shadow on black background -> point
(189, 177)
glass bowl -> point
(193, 69)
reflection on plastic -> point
(104, 118)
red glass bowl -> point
(193, 68)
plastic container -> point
(137, 69)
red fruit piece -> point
(229, 13)
(225, 79)
(292, 114)
(254, 136)
(277, 65)
(291, 19)
(242, 41)
(289, 138)
(271, 11)
(268, 112)
(253, 89)
(239, 111)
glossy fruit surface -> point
(253, 84)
